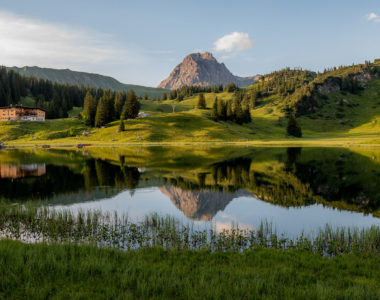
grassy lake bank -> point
(43, 271)
(85, 256)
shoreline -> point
(323, 143)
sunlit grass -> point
(343, 120)
(81, 272)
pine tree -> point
(293, 128)
(253, 99)
(54, 106)
(145, 97)
(40, 101)
(172, 95)
(247, 115)
(229, 112)
(164, 96)
(222, 111)
(101, 117)
(89, 109)
(346, 84)
(109, 100)
(214, 112)
(238, 112)
(131, 107)
(121, 126)
(231, 87)
(201, 101)
(119, 103)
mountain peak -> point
(202, 70)
(200, 56)
(208, 55)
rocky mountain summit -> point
(203, 70)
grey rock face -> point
(202, 70)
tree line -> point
(109, 107)
(57, 99)
(100, 106)
(188, 91)
(231, 110)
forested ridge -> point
(67, 76)
(303, 91)
(58, 99)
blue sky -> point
(140, 42)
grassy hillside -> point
(339, 118)
(85, 79)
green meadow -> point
(345, 119)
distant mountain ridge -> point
(203, 70)
(85, 79)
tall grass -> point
(69, 271)
(31, 224)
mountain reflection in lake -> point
(295, 189)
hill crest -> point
(67, 76)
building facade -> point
(21, 113)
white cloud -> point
(29, 42)
(373, 17)
(234, 41)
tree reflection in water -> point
(283, 176)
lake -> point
(295, 189)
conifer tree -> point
(121, 126)
(40, 101)
(101, 117)
(293, 128)
(164, 96)
(229, 112)
(231, 87)
(238, 112)
(247, 115)
(214, 112)
(201, 101)
(89, 109)
(222, 111)
(131, 107)
(119, 103)
(54, 107)
(172, 95)
(109, 100)
(253, 99)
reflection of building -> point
(21, 113)
(21, 171)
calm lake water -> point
(296, 189)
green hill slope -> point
(85, 79)
(338, 107)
